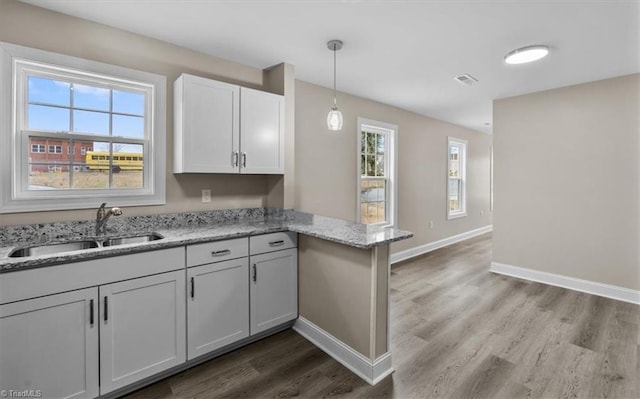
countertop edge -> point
(9, 265)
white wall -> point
(566, 181)
(326, 165)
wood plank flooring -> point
(458, 331)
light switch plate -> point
(206, 195)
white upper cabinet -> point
(224, 128)
(206, 126)
(261, 132)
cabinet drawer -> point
(217, 251)
(273, 242)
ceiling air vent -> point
(466, 79)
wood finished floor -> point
(458, 331)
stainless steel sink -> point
(54, 248)
(132, 240)
(50, 249)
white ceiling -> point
(403, 53)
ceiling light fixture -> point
(526, 54)
(334, 119)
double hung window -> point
(104, 110)
(376, 191)
(456, 178)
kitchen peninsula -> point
(342, 285)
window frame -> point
(391, 158)
(15, 197)
(55, 148)
(463, 152)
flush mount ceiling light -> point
(526, 54)
(334, 119)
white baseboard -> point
(432, 246)
(572, 283)
(370, 371)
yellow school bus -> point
(100, 160)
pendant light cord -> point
(334, 75)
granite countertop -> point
(183, 229)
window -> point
(376, 172)
(61, 101)
(456, 178)
(55, 149)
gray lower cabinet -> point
(217, 305)
(142, 328)
(122, 332)
(274, 280)
(88, 328)
(50, 345)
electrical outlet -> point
(481, 212)
(206, 196)
(430, 224)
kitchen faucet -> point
(103, 216)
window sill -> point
(456, 215)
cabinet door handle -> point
(235, 158)
(193, 287)
(276, 243)
(106, 308)
(221, 253)
(255, 273)
(91, 312)
(244, 159)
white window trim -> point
(463, 177)
(392, 159)
(12, 201)
(491, 178)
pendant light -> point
(334, 119)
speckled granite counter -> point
(183, 229)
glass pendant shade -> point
(334, 119)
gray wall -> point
(330, 191)
(566, 181)
(326, 165)
(344, 291)
(31, 26)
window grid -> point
(109, 140)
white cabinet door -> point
(217, 305)
(261, 132)
(274, 289)
(142, 328)
(206, 128)
(49, 345)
